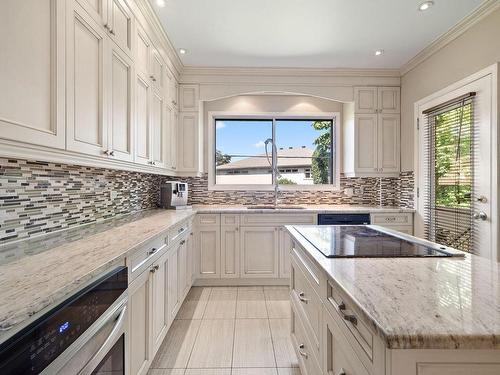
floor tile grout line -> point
(270, 331)
(196, 338)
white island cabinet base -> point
(356, 340)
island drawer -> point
(307, 361)
(311, 270)
(230, 219)
(392, 219)
(145, 254)
(367, 345)
(309, 304)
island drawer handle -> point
(301, 352)
(152, 251)
(302, 297)
(349, 318)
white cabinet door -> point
(188, 141)
(140, 320)
(98, 10)
(285, 245)
(174, 138)
(189, 98)
(167, 141)
(259, 252)
(142, 123)
(173, 89)
(182, 270)
(157, 130)
(366, 147)
(143, 53)
(208, 251)
(120, 124)
(389, 99)
(388, 143)
(120, 26)
(230, 251)
(159, 302)
(174, 301)
(32, 99)
(190, 259)
(157, 72)
(86, 108)
(365, 100)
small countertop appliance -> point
(174, 195)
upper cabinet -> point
(187, 139)
(32, 101)
(172, 90)
(372, 140)
(189, 98)
(376, 100)
(157, 72)
(86, 106)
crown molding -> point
(149, 13)
(466, 23)
(288, 72)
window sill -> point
(271, 188)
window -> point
(450, 151)
(305, 151)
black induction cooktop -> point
(360, 241)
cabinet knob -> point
(106, 26)
(303, 298)
(112, 32)
(112, 153)
(342, 371)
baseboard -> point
(241, 282)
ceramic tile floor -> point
(230, 331)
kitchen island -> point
(395, 315)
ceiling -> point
(306, 33)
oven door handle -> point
(107, 345)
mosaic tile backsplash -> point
(39, 197)
(394, 192)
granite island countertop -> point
(55, 266)
(421, 303)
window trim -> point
(330, 116)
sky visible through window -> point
(246, 137)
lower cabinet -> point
(159, 300)
(208, 251)
(173, 288)
(140, 296)
(259, 255)
(230, 251)
(285, 246)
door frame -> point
(492, 72)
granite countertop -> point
(307, 209)
(58, 265)
(421, 303)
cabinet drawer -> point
(276, 218)
(340, 357)
(233, 220)
(394, 219)
(179, 231)
(311, 271)
(143, 256)
(307, 301)
(208, 219)
(307, 361)
(338, 305)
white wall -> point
(265, 104)
(472, 51)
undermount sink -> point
(271, 207)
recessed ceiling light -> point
(182, 51)
(379, 52)
(160, 3)
(425, 5)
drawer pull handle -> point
(183, 242)
(342, 371)
(152, 251)
(302, 352)
(180, 230)
(302, 297)
(349, 318)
